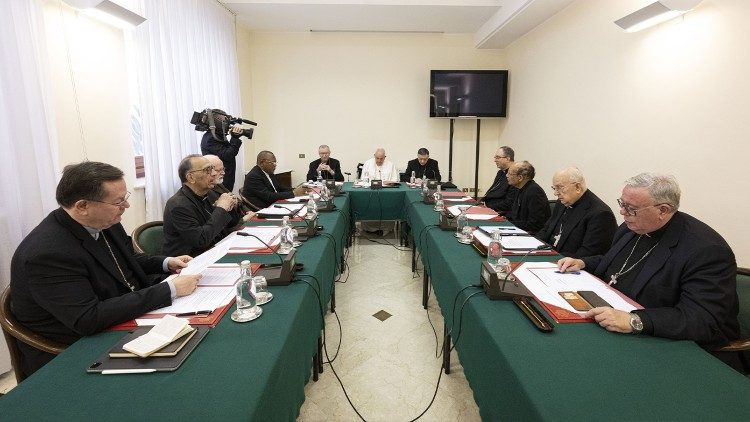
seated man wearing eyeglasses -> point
(500, 195)
(76, 273)
(262, 187)
(680, 269)
(581, 223)
(196, 217)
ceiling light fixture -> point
(106, 9)
(655, 13)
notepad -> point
(170, 350)
(169, 329)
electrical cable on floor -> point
(461, 319)
(325, 350)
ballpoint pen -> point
(195, 313)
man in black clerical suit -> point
(581, 224)
(423, 167)
(329, 168)
(530, 208)
(76, 273)
(500, 195)
(262, 187)
(196, 217)
(678, 268)
(219, 187)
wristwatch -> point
(635, 323)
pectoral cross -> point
(613, 279)
(557, 239)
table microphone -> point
(292, 211)
(270, 248)
(522, 260)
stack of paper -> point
(504, 230)
(474, 213)
(169, 329)
(263, 235)
(510, 243)
(281, 210)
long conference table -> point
(257, 371)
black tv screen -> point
(468, 93)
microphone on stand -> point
(291, 211)
(521, 261)
(280, 274)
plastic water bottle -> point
(247, 304)
(285, 242)
(320, 177)
(312, 209)
(425, 191)
(413, 178)
(462, 221)
(438, 199)
(495, 254)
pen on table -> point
(195, 313)
(126, 371)
(571, 272)
(243, 234)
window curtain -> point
(186, 61)
(27, 133)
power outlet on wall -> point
(302, 156)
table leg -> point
(320, 355)
(447, 354)
(425, 286)
(315, 367)
(333, 297)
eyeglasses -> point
(207, 170)
(270, 162)
(632, 211)
(497, 157)
(559, 188)
(120, 204)
(511, 174)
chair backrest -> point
(14, 333)
(552, 204)
(743, 294)
(149, 238)
(359, 170)
(248, 204)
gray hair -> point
(324, 146)
(663, 188)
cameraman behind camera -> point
(217, 125)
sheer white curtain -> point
(186, 61)
(27, 134)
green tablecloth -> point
(579, 371)
(252, 371)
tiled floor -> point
(388, 367)
(7, 381)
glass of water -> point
(247, 303)
(262, 294)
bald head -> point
(267, 161)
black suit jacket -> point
(530, 208)
(687, 284)
(226, 151)
(430, 169)
(189, 228)
(65, 285)
(588, 228)
(258, 189)
(500, 195)
(312, 172)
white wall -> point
(674, 99)
(357, 92)
(97, 59)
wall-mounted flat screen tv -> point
(468, 93)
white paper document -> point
(220, 276)
(505, 230)
(543, 280)
(203, 298)
(455, 211)
(285, 209)
(266, 235)
(461, 199)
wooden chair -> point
(742, 345)
(149, 238)
(14, 333)
(247, 203)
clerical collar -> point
(657, 234)
(93, 232)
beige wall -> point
(674, 98)
(357, 92)
(97, 58)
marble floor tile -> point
(389, 368)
